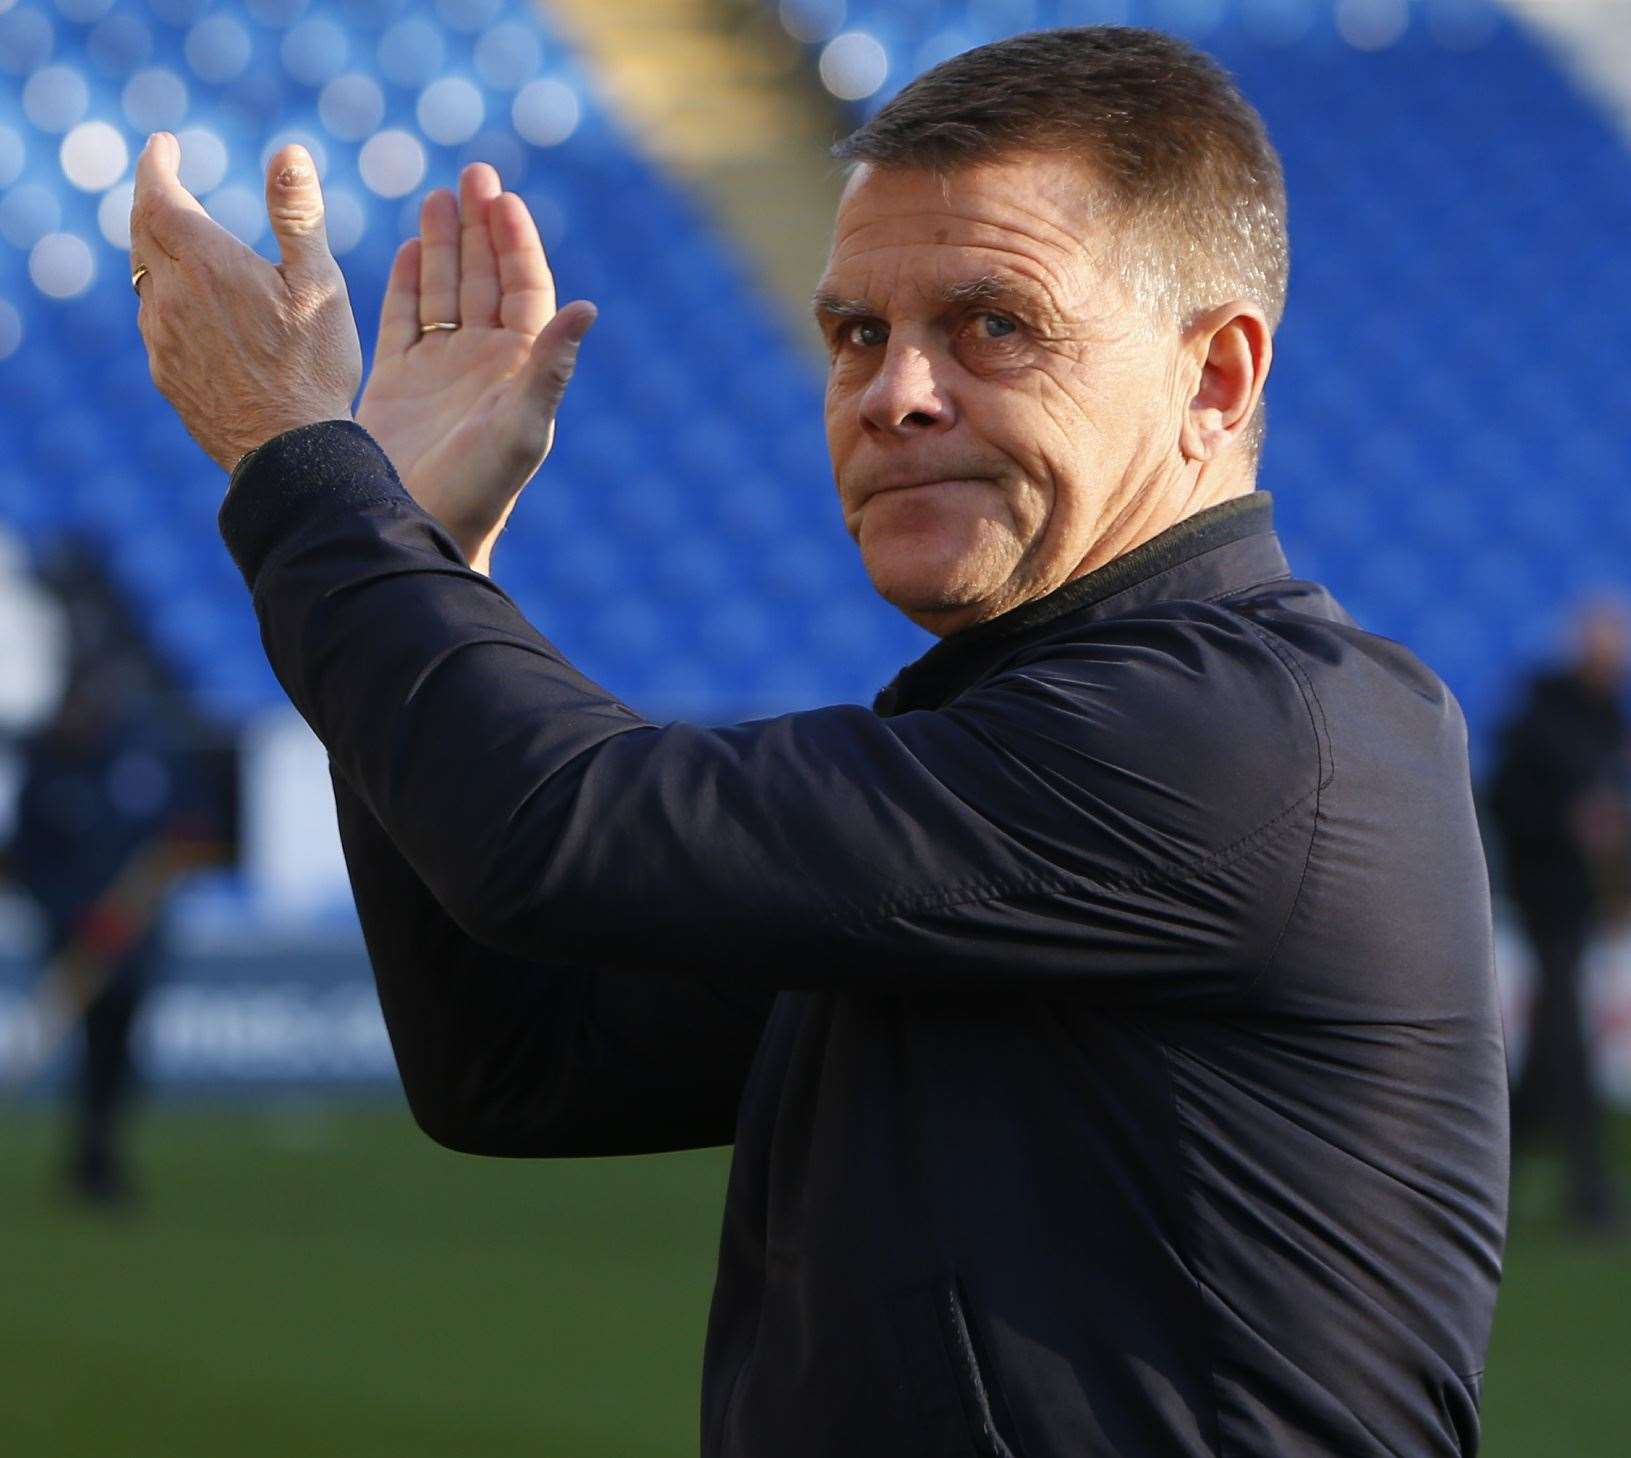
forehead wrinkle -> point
(1066, 200)
(1050, 224)
(997, 235)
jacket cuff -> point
(283, 484)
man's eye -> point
(865, 332)
(995, 326)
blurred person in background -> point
(105, 820)
(1560, 798)
(33, 657)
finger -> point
(439, 259)
(294, 204)
(478, 264)
(399, 314)
(165, 219)
(548, 370)
(527, 288)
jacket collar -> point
(1224, 549)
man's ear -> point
(1233, 348)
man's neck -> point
(1149, 510)
(1157, 509)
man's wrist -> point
(281, 483)
(277, 429)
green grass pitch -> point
(310, 1280)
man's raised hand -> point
(467, 414)
(244, 349)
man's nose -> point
(908, 393)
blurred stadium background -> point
(1448, 424)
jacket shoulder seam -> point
(976, 893)
(1322, 747)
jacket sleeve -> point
(499, 1055)
(1129, 816)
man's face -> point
(997, 406)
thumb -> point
(158, 176)
(294, 204)
(161, 208)
(554, 357)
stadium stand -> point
(1449, 400)
(685, 546)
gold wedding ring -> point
(424, 329)
(137, 277)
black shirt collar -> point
(1225, 548)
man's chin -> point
(937, 595)
(941, 553)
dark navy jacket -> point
(1105, 1023)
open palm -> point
(468, 414)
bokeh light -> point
(11, 330)
(27, 213)
(55, 97)
(113, 215)
(1372, 25)
(853, 65)
(507, 156)
(508, 55)
(314, 51)
(155, 100)
(546, 112)
(94, 156)
(204, 160)
(352, 106)
(411, 53)
(392, 163)
(450, 110)
(84, 12)
(62, 265)
(13, 155)
(119, 45)
(26, 41)
(345, 218)
(467, 15)
(812, 21)
(218, 49)
(407, 218)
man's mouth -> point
(918, 483)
